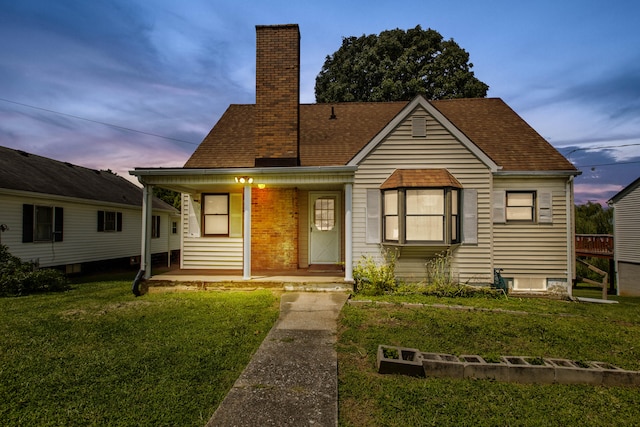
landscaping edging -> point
(518, 369)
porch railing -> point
(594, 245)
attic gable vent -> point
(419, 127)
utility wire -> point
(99, 122)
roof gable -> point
(27, 172)
(625, 191)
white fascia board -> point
(538, 174)
(438, 116)
(275, 175)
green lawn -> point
(98, 356)
(514, 326)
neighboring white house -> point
(62, 215)
(280, 185)
(626, 233)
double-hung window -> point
(42, 223)
(109, 221)
(520, 205)
(216, 214)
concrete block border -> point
(518, 369)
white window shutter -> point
(373, 216)
(194, 217)
(470, 216)
(545, 207)
(235, 215)
(499, 213)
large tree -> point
(397, 65)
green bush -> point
(22, 278)
(373, 278)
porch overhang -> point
(194, 181)
(187, 180)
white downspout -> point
(348, 233)
(246, 258)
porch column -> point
(246, 244)
(145, 248)
(348, 232)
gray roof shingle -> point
(32, 173)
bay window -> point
(421, 215)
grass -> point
(96, 355)
(490, 328)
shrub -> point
(22, 278)
(439, 272)
(373, 278)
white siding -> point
(626, 214)
(439, 149)
(627, 227)
(81, 240)
(533, 252)
(207, 252)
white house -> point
(63, 215)
(626, 232)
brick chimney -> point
(277, 95)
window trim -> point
(30, 222)
(155, 226)
(449, 219)
(532, 208)
(102, 222)
(204, 215)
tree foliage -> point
(397, 65)
(592, 218)
(171, 197)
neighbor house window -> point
(174, 227)
(216, 214)
(520, 206)
(109, 221)
(155, 226)
(42, 223)
(419, 215)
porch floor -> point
(295, 280)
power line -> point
(99, 122)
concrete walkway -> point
(292, 380)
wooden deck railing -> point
(594, 245)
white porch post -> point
(145, 248)
(246, 258)
(348, 232)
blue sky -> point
(169, 68)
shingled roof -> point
(23, 171)
(488, 122)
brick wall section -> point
(274, 229)
(277, 91)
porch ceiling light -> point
(244, 179)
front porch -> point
(290, 280)
(256, 219)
